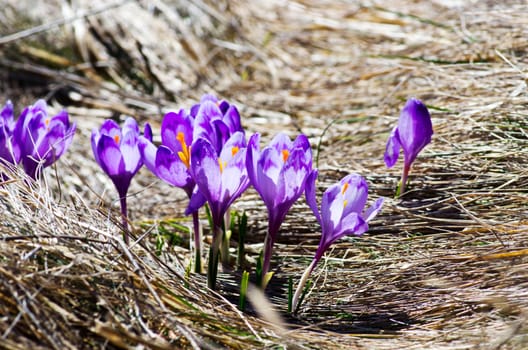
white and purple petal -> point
(310, 194)
(206, 173)
(171, 169)
(354, 192)
(110, 157)
(392, 150)
(373, 210)
(252, 157)
(148, 151)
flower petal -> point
(234, 178)
(415, 129)
(309, 192)
(196, 201)
(302, 142)
(172, 125)
(129, 148)
(354, 189)
(206, 171)
(232, 119)
(392, 150)
(294, 174)
(55, 142)
(110, 128)
(281, 142)
(147, 132)
(371, 212)
(208, 97)
(96, 136)
(352, 224)
(110, 157)
(267, 177)
(171, 169)
(7, 116)
(252, 157)
(147, 150)
(332, 206)
(130, 126)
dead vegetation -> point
(444, 267)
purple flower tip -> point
(41, 139)
(117, 152)
(413, 133)
(171, 161)
(215, 121)
(9, 148)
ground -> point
(442, 267)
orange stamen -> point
(222, 164)
(116, 139)
(345, 187)
(234, 150)
(285, 154)
(185, 153)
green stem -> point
(403, 181)
(266, 259)
(226, 237)
(242, 230)
(212, 270)
(300, 286)
(124, 219)
(197, 243)
(243, 290)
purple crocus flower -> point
(9, 149)
(42, 139)
(171, 162)
(220, 179)
(342, 213)
(413, 133)
(172, 159)
(215, 121)
(117, 152)
(278, 173)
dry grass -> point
(444, 267)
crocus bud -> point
(413, 133)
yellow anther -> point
(285, 154)
(222, 164)
(345, 187)
(185, 153)
(345, 202)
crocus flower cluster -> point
(204, 151)
(412, 134)
(211, 129)
(36, 140)
(117, 152)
